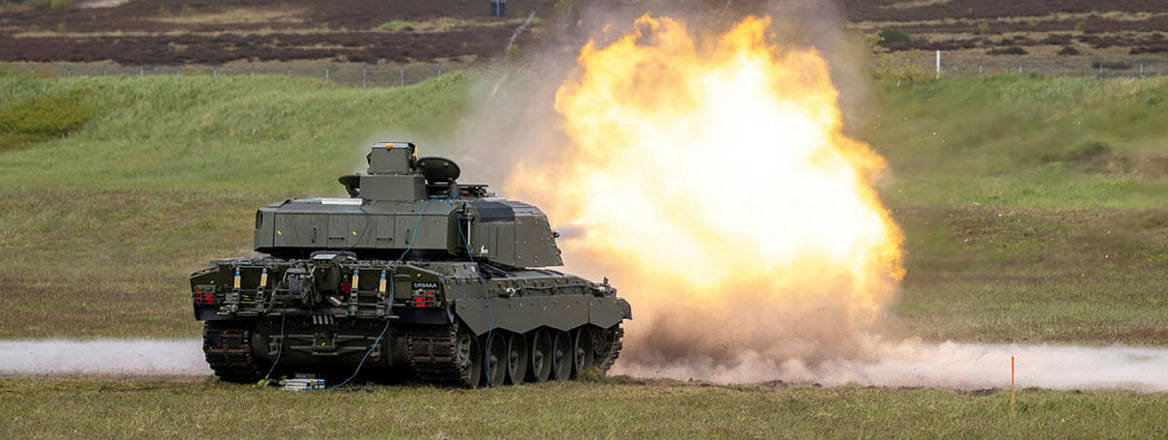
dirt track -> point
(905, 364)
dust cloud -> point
(903, 364)
(799, 322)
(103, 357)
(947, 365)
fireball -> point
(712, 182)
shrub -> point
(398, 26)
(1012, 50)
(42, 118)
(893, 69)
(51, 5)
(894, 36)
(1091, 156)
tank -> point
(414, 275)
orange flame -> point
(712, 181)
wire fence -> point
(948, 64)
(400, 75)
(353, 75)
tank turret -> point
(398, 195)
(392, 175)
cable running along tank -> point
(413, 275)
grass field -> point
(1034, 210)
(575, 410)
(163, 176)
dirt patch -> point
(98, 4)
(1156, 166)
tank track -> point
(227, 347)
(431, 352)
(613, 339)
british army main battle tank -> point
(413, 275)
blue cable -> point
(392, 272)
(487, 300)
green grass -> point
(100, 226)
(40, 118)
(570, 410)
(1035, 209)
(1019, 141)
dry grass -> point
(446, 24)
(665, 410)
(1016, 19)
(913, 4)
(189, 15)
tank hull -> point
(450, 323)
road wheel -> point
(582, 353)
(540, 368)
(562, 355)
(495, 343)
(517, 358)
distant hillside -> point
(175, 32)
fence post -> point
(215, 72)
(326, 74)
(938, 75)
(68, 72)
(364, 79)
(289, 71)
(401, 77)
(1141, 70)
(141, 72)
(979, 69)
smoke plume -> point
(103, 357)
(729, 248)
